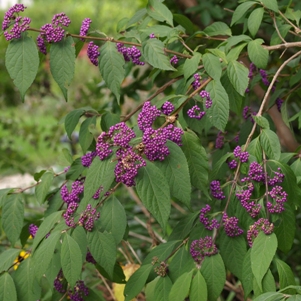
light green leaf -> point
(262, 122)
(271, 4)
(286, 276)
(241, 10)
(3, 194)
(218, 114)
(71, 121)
(7, 258)
(7, 288)
(213, 270)
(255, 149)
(85, 135)
(138, 16)
(153, 52)
(80, 236)
(103, 248)
(262, 252)
(257, 54)
(75, 170)
(71, 260)
(113, 218)
(212, 66)
(218, 28)
(238, 76)
(158, 30)
(62, 63)
(22, 62)
(12, 217)
(294, 298)
(268, 284)
(175, 165)
(269, 297)
(154, 192)
(111, 67)
(198, 289)
(218, 53)
(254, 20)
(137, 281)
(179, 290)
(191, 65)
(162, 288)
(270, 144)
(159, 12)
(234, 53)
(42, 189)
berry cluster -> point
(232, 164)
(88, 217)
(79, 291)
(195, 112)
(167, 108)
(85, 27)
(216, 190)
(152, 36)
(73, 196)
(88, 158)
(58, 282)
(130, 53)
(52, 32)
(279, 197)
(68, 215)
(242, 156)
(93, 53)
(201, 248)
(261, 225)
(205, 94)
(147, 116)
(231, 225)
(209, 224)
(247, 113)
(90, 258)
(197, 81)
(219, 142)
(21, 24)
(33, 230)
(174, 60)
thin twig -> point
(106, 285)
(133, 252)
(139, 236)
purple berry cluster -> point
(242, 156)
(130, 53)
(90, 258)
(252, 69)
(264, 77)
(85, 27)
(197, 81)
(88, 158)
(195, 112)
(93, 53)
(68, 215)
(209, 224)
(219, 142)
(279, 103)
(248, 114)
(77, 188)
(279, 198)
(174, 60)
(79, 291)
(33, 230)
(205, 94)
(147, 116)
(167, 108)
(232, 164)
(88, 217)
(231, 226)
(216, 190)
(59, 282)
(152, 36)
(201, 248)
(261, 225)
(52, 32)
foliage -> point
(237, 204)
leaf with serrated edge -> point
(181, 287)
(198, 289)
(191, 65)
(241, 10)
(85, 135)
(270, 144)
(218, 28)
(7, 258)
(153, 190)
(159, 11)
(71, 121)
(247, 276)
(162, 288)
(43, 188)
(212, 65)
(254, 20)
(271, 4)
(257, 54)
(263, 250)
(7, 288)
(22, 62)
(238, 76)
(286, 275)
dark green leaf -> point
(270, 144)
(7, 258)
(255, 149)
(71, 260)
(257, 54)
(198, 289)
(159, 12)
(79, 235)
(238, 76)
(191, 65)
(7, 288)
(262, 253)
(109, 119)
(271, 4)
(71, 121)
(22, 62)
(247, 275)
(241, 10)
(111, 67)
(43, 188)
(286, 276)
(180, 288)
(212, 66)
(162, 288)
(185, 22)
(62, 63)
(103, 248)
(12, 217)
(218, 28)
(118, 274)
(254, 20)
(85, 135)
(154, 192)
(268, 284)
(75, 169)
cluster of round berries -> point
(231, 226)
(201, 248)
(77, 188)
(52, 32)
(167, 108)
(216, 190)
(85, 27)
(21, 24)
(68, 215)
(33, 230)
(209, 224)
(195, 112)
(93, 53)
(242, 156)
(208, 102)
(130, 53)
(90, 258)
(88, 158)
(261, 225)
(88, 217)
(174, 60)
(248, 114)
(219, 142)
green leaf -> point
(109, 119)
(198, 289)
(286, 276)
(247, 275)
(294, 298)
(191, 65)
(75, 170)
(62, 63)
(257, 54)
(138, 16)
(212, 66)
(111, 67)
(179, 290)
(79, 235)
(233, 251)
(263, 250)
(22, 62)
(12, 217)
(218, 114)
(241, 10)
(71, 260)
(43, 255)
(254, 20)
(234, 53)
(213, 270)
(185, 22)
(162, 288)
(197, 161)
(71, 121)
(7, 288)
(46, 227)
(137, 281)
(238, 76)
(7, 258)
(159, 12)
(26, 283)
(262, 122)
(100, 173)
(85, 135)
(255, 149)
(271, 4)
(270, 144)
(158, 30)
(218, 28)
(153, 190)
(103, 248)
(113, 218)
(42, 189)
(270, 297)
(3, 194)
(218, 53)
(153, 52)
(175, 165)
(118, 275)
